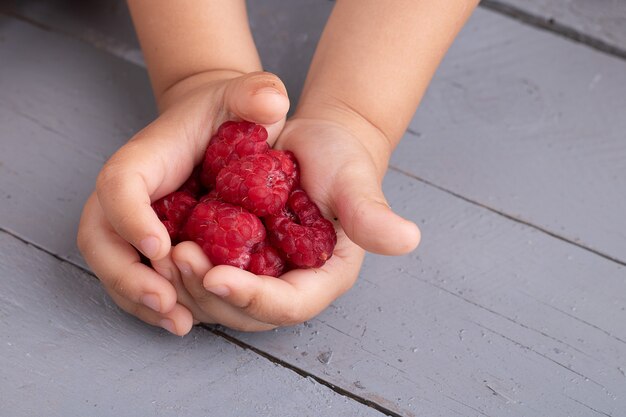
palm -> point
(342, 175)
(326, 152)
(329, 156)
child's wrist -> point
(379, 143)
(191, 83)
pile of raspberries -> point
(244, 206)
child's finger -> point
(126, 204)
(259, 97)
(177, 321)
(295, 297)
(159, 158)
(153, 163)
(193, 265)
(367, 218)
(167, 268)
(117, 264)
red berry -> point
(295, 174)
(226, 233)
(212, 196)
(248, 180)
(233, 140)
(173, 210)
(193, 185)
(266, 260)
(260, 183)
(301, 234)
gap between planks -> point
(515, 13)
(279, 362)
(217, 332)
(494, 5)
(341, 391)
(550, 25)
(510, 217)
(98, 41)
(547, 24)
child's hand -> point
(342, 163)
(153, 163)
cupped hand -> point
(342, 165)
(117, 220)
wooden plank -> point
(286, 33)
(83, 112)
(105, 24)
(486, 306)
(531, 125)
(67, 351)
(65, 108)
(602, 20)
(488, 317)
(535, 153)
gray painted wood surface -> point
(71, 124)
(604, 20)
(489, 317)
(105, 24)
(529, 124)
(285, 32)
(533, 142)
(66, 350)
(65, 108)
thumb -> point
(258, 97)
(368, 220)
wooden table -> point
(514, 167)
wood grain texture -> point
(604, 20)
(65, 108)
(534, 150)
(65, 350)
(489, 317)
(531, 125)
(87, 103)
(105, 24)
(285, 32)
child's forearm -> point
(376, 58)
(187, 42)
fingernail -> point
(219, 290)
(184, 268)
(152, 301)
(149, 246)
(267, 90)
(168, 325)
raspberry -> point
(248, 180)
(266, 260)
(260, 183)
(233, 140)
(173, 210)
(193, 185)
(301, 234)
(212, 196)
(289, 165)
(226, 233)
